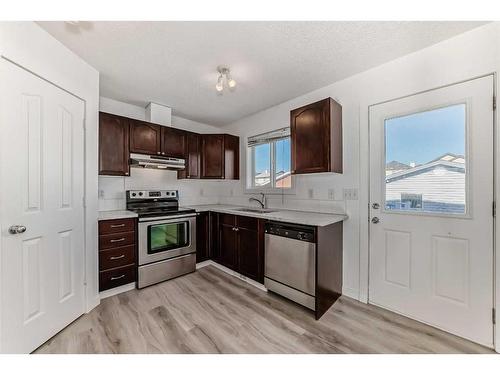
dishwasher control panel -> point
(292, 231)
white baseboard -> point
(352, 293)
(117, 290)
(232, 273)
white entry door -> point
(431, 196)
(41, 191)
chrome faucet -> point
(262, 201)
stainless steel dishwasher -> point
(290, 262)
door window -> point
(167, 236)
(425, 161)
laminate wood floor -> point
(210, 311)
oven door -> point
(166, 238)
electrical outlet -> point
(101, 193)
(331, 194)
(354, 194)
(310, 193)
(201, 192)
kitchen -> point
(240, 225)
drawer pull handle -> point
(119, 257)
(117, 277)
(117, 226)
(118, 240)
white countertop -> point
(119, 214)
(288, 216)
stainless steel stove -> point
(167, 235)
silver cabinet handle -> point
(375, 220)
(17, 229)
(118, 257)
(117, 277)
(118, 240)
(118, 226)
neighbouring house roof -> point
(447, 161)
(396, 165)
(264, 177)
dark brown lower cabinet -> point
(202, 236)
(240, 245)
(250, 254)
(117, 253)
(227, 245)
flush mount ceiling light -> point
(224, 77)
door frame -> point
(88, 294)
(364, 250)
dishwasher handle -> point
(294, 231)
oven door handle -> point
(166, 219)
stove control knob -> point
(140, 194)
(134, 194)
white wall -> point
(28, 45)
(468, 55)
(112, 189)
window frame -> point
(468, 213)
(271, 189)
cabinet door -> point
(227, 246)
(213, 251)
(249, 254)
(192, 157)
(113, 145)
(231, 157)
(145, 138)
(212, 151)
(310, 138)
(202, 236)
(173, 142)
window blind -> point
(274, 135)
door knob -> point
(375, 206)
(17, 229)
(375, 220)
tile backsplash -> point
(194, 192)
(112, 189)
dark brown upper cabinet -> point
(316, 137)
(193, 157)
(231, 157)
(214, 156)
(173, 142)
(113, 145)
(220, 156)
(145, 138)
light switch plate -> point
(351, 194)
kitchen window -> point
(269, 162)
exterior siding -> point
(442, 189)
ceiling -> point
(174, 63)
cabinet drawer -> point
(118, 257)
(247, 222)
(227, 219)
(109, 241)
(116, 226)
(116, 277)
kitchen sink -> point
(256, 210)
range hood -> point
(156, 162)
